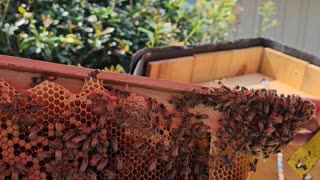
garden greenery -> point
(103, 34)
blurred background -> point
(297, 23)
(105, 34)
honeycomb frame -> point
(102, 132)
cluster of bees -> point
(256, 123)
(49, 132)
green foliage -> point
(267, 11)
(100, 34)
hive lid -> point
(142, 57)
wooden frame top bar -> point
(34, 66)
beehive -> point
(49, 132)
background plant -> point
(103, 34)
(268, 12)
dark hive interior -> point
(48, 132)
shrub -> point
(100, 34)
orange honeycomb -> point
(49, 132)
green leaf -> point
(47, 52)
(166, 28)
(151, 23)
(149, 33)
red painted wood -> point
(29, 65)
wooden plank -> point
(153, 70)
(245, 61)
(282, 67)
(178, 69)
(254, 81)
(282, 89)
(243, 80)
(211, 66)
(222, 64)
(12, 67)
(311, 83)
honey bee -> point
(84, 164)
(68, 135)
(152, 165)
(5, 106)
(266, 108)
(43, 154)
(114, 144)
(35, 107)
(58, 157)
(3, 167)
(189, 94)
(87, 130)
(227, 103)
(141, 147)
(95, 140)
(102, 164)
(79, 138)
(14, 175)
(119, 163)
(94, 73)
(67, 173)
(261, 126)
(185, 170)
(92, 175)
(33, 133)
(26, 122)
(237, 116)
(250, 116)
(86, 145)
(68, 113)
(229, 130)
(270, 129)
(41, 78)
(58, 127)
(253, 165)
(169, 164)
(52, 170)
(72, 145)
(110, 175)
(95, 159)
(103, 140)
(172, 174)
(202, 116)
(56, 144)
(49, 77)
(230, 160)
(164, 157)
(218, 106)
(101, 122)
(100, 149)
(68, 156)
(21, 168)
(220, 145)
(196, 169)
(99, 109)
(276, 119)
(175, 151)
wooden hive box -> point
(245, 62)
(136, 126)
